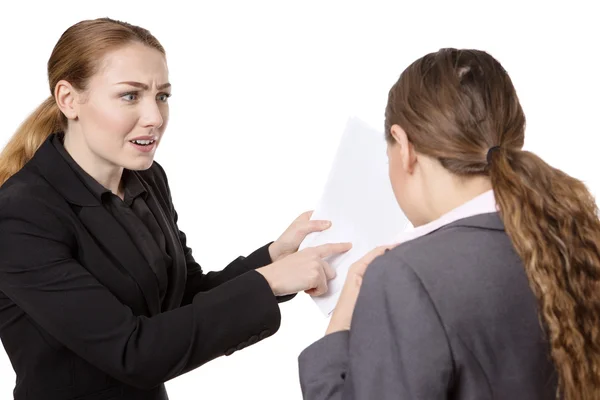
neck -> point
(104, 173)
(448, 191)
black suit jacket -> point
(80, 315)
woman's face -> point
(126, 100)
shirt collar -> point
(481, 204)
(132, 184)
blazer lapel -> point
(177, 272)
(115, 240)
(101, 225)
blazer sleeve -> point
(396, 347)
(197, 280)
(40, 274)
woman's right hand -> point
(304, 270)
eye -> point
(164, 97)
(129, 96)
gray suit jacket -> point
(449, 315)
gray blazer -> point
(449, 315)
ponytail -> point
(45, 120)
(552, 221)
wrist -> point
(267, 273)
(341, 318)
(274, 251)
(336, 325)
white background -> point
(261, 94)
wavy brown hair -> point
(76, 58)
(455, 105)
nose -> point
(152, 115)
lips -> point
(143, 142)
(144, 148)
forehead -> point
(134, 62)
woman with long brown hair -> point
(499, 296)
(100, 295)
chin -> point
(139, 165)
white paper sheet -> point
(359, 201)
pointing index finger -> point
(329, 249)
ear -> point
(66, 98)
(405, 149)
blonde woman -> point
(100, 295)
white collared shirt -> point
(482, 204)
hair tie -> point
(489, 153)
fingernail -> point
(327, 223)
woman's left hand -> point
(342, 315)
(289, 241)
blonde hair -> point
(75, 58)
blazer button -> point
(264, 334)
(253, 340)
(230, 351)
(242, 345)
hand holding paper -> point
(359, 201)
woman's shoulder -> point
(27, 198)
(459, 246)
(27, 186)
(467, 260)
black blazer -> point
(80, 313)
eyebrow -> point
(143, 85)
